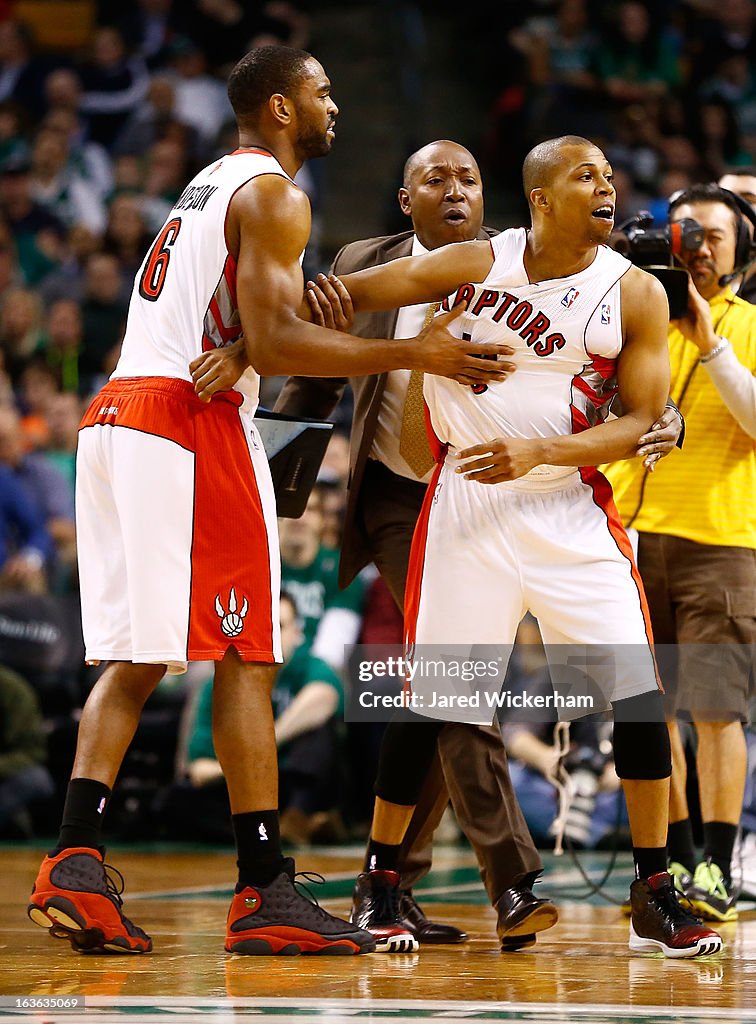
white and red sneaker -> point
(660, 922)
(375, 907)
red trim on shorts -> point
(221, 560)
(604, 499)
(415, 567)
(135, 403)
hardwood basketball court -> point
(579, 971)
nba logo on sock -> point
(262, 833)
(101, 806)
(569, 297)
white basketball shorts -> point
(484, 555)
(176, 526)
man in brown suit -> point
(442, 194)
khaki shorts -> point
(702, 599)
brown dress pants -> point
(470, 767)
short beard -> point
(313, 145)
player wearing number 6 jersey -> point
(176, 513)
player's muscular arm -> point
(413, 279)
(643, 379)
(271, 219)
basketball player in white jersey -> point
(517, 518)
(176, 515)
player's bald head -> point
(438, 152)
(542, 161)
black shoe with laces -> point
(277, 920)
(426, 932)
(375, 907)
(660, 922)
(75, 899)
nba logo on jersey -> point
(569, 297)
(606, 313)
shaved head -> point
(543, 159)
(436, 151)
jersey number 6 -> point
(153, 276)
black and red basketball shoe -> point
(660, 922)
(277, 920)
(76, 899)
(375, 906)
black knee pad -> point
(407, 752)
(641, 740)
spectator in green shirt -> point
(331, 618)
(308, 703)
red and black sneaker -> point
(75, 899)
(375, 906)
(660, 922)
(277, 920)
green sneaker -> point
(682, 878)
(713, 899)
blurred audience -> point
(596, 806)
(46, 488)
(97, 143)
(309, 572)
(24, 778)
(308, 702)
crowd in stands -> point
(667, 88)
(97, 141)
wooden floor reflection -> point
(579, 970)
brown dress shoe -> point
(426, 932)
(521, 915)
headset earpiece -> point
(745, 242)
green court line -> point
(180, 1009)
(560, 880)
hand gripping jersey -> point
(184, 297)
(566, 333)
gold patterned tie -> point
(413, 439)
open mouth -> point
(455, 217)
(604, 213)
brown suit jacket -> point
(319, 396)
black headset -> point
(745, 242)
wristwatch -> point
(722, 344)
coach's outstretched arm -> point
(269, 225)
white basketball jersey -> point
(184, 297)
(566, 333)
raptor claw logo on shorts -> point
(232, 622)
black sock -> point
(649, 860)
(719, 842)
(83, 813)
(381, 856)
(258, 846)
(680, 843)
